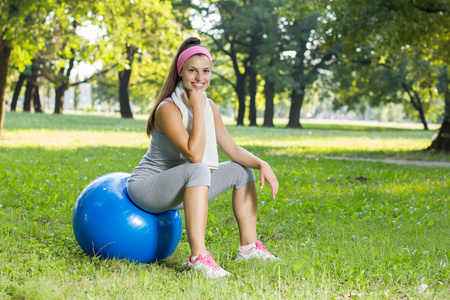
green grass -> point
(344, 229)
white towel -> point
(210, 157)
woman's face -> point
(196, 73)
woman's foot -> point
(255, 251)
(206, 264)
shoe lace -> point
(260, 247)
(209, 261)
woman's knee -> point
(248, 176)
(199, 174)
(243, 175)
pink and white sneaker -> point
(256, 252)
(206, 264)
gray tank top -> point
(162, 155)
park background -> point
(302, 84)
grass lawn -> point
(343, 229)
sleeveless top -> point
(162, 155)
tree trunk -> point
(17, 90)
(29, 94)
(252, 91)
(240, 91)
(300, 78)
(61, 89)
(5, 53)
(76, 96)
(269, 94)
(37, 102)
(32, 87)
(239, 87)
(416, 103)
(59, 98)
(255, 42)
(297, 97)
(419, 108)
(124, 84)
(124, 100)
(442, 141)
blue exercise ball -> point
(106, 223)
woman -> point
(181, 169)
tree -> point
(138, 28)
(309, 59)
(24, 28)
(19, 84)
(228, 36)
(5, 52)
(66, 46)
(241, 34)
(270, 81)
(271, 67)
(402, 78)
(442, 140)
(17, 31)
(267, 44)
(392, 26)
(50, 63)
(62, 83)
(32, 99)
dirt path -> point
(443, 164)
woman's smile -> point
(196, 73)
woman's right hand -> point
(195, 98)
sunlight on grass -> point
(82, 131)
(73, 139)
(312, 142)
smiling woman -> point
(181, 169)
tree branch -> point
(225, 79)
(92, 77)
(429, 10)
(412, 100)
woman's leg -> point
(195, 212)
(189, 184)
(245, 208)
(244, 199)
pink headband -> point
(188, 53)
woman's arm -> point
(168, 119)
(242, 156)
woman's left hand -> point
(266, 174)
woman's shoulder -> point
(166, 112)
(166, 104)
(214, 107)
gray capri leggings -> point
(164, 191)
